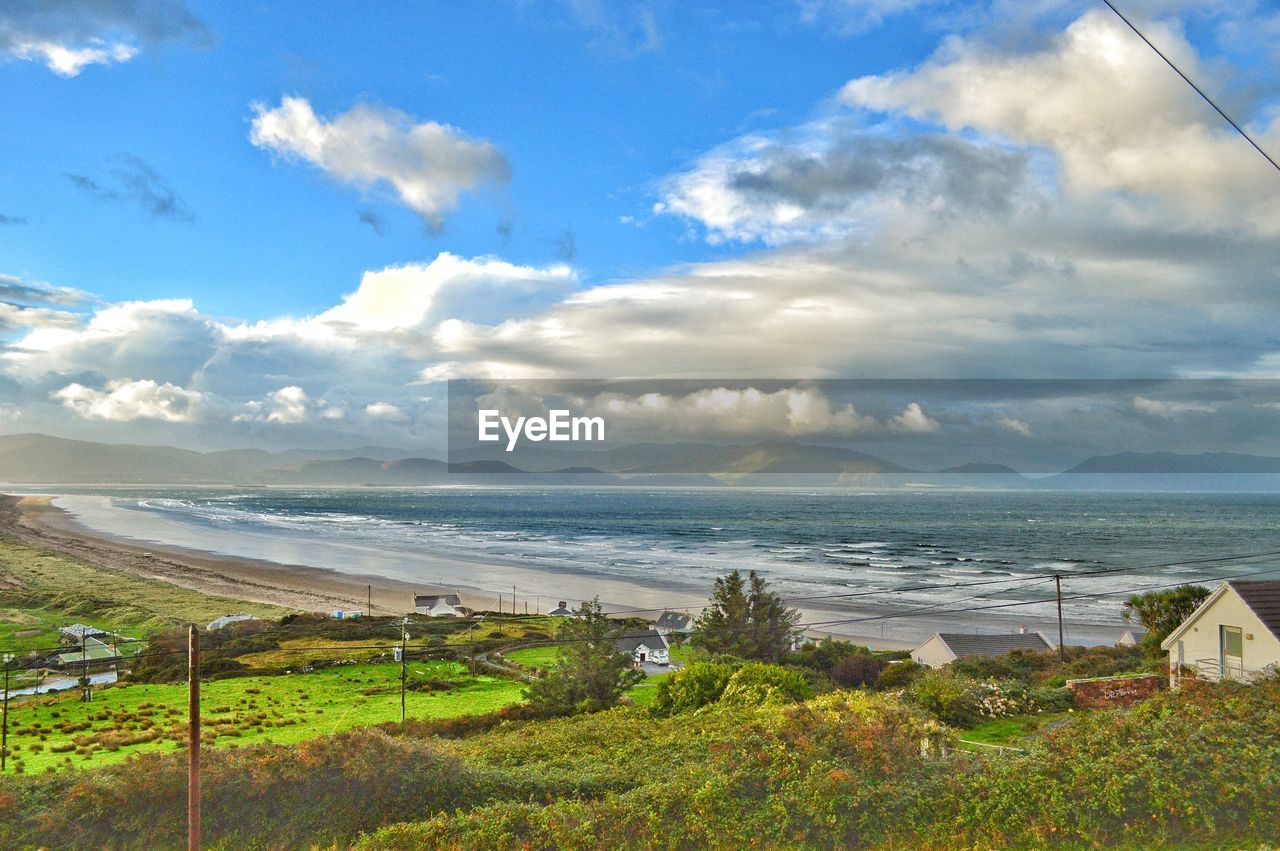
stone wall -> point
(1114, 691)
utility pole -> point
(4, 726)
(1062, 648)
(404, 663)
(369, 607)
(513, 599)
(193, 744)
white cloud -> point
(67, 61)
(1117, 118)
(69, 35)
(429, 165)
(408, 296)
(126, 401)
(1158, 407)
(288, 405)
(792, 411)
(386, 412)
(913, 420)
(1014, 425)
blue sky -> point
(228, 224)
(588, 119)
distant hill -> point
(1173, 463)
(42, 459)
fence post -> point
(193, 745)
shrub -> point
(898, 675)
(692, 687)
(858, 670)
(946, 695)
(759, 683)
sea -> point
(913, 555)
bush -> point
(946, 695)
(760, 683)
(858, 670)
(898, 675)
(692, 687)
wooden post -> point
(369, 607)
(193, 744)
(1062, 648)
(4, 726)
(404, 665)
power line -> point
(1190, 83)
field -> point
(41, 590)
(56, 732)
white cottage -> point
(1234, 634)
(946, 647)
(649, 646)
(438, 605)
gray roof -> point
(1263, 596)
(79, 630)
(998, 644)
(562, 611)
(427, 601)
(674, 620)
(628, 642)
(219, 623)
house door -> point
(642, 655)
(1231, 640)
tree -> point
(747, 620)
(1160, 612)
(857, 670)
(590, 673)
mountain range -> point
(42, 459)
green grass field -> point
(1011, 732)
(62, 731)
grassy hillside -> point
(1196, 769)
(41, 590)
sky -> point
(256, 224)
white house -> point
(438, 605)
(1131, 637)
(650, 646)
(562, 610)
(1234, 634)
(946, 647)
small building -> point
(78, 631)
(674, 623)
(438, 605)
(343, 615)
(1234, 634)
(218, 623)
(946, 647)
(562, 610)
(94, 655)
(649, 646)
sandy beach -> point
(294, 584)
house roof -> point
(998, 644)
(427, 601)
(219, 623)
(94, 650)
(674, 620)
(628, 642)
(79, 630)
(1263, 596)
(561, 611)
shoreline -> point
(37, 520)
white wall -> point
(1200, 640)
(934, 653)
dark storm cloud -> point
(75, 22)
